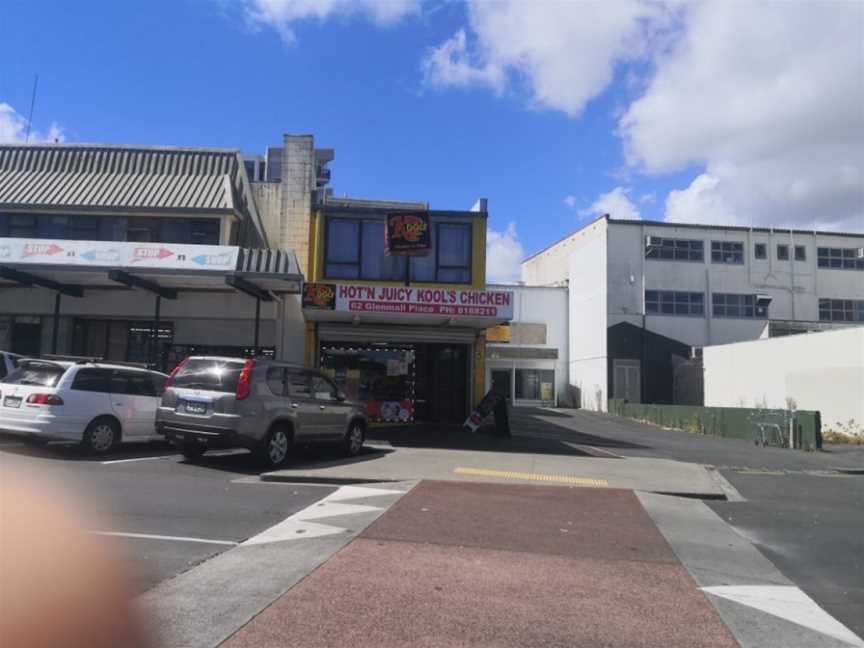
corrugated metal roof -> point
(122, 177)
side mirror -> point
(340, 395)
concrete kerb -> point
(633, 473)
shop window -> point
(143, 230)
(374, 264)
(535, 384)
(669, 302)
(355, 250)
(740, 306)
(454, 253)
(23, 226)
(727, 252)
(383, 377)
(760, 251)
(343, 249)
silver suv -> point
(263, 405)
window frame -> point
(673, 246)
(719, 255)
(837, 258)
(850, 310)
(743, 302)
(803, 252)
(785, 255)
(673, 299)
(407, 265)
(764, 247)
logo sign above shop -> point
(169, 256)
(408, 234)
(319, 296)
(398, 300)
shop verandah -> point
(152, 308)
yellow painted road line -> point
(537, 477)
(761, 471)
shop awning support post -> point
(154, 351)
(257, 321)
(56, 322)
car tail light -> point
(244, 382)
(44, 399)
(174, 372)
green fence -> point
(763, 426)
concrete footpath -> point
(470, 564)
(382, 463)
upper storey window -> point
(674, 249)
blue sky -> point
(554, 114)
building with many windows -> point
(646, 296)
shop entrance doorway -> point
(449, 382)
(26, 337)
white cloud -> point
(565, 52)
(571, 201)
(282, 14)
(450, 65)
(769, 99)
(616, 203)
(13, 128)
(504, 254)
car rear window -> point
(35, 373)
(212, 375)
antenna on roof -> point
(32, 104)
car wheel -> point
(192, 451)
(101, 436)
(354, 438)
(273, 451)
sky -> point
(744, 113)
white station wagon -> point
(96, 404)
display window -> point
(382, 377)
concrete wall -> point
(820, 371)
(268, 200)
(298, 182)
(535, 309)
(588, 276)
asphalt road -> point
(804, 516)
(200, 510)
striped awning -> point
(120, 177)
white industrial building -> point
(645, 296)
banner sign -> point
(319, 296)
(408, 234)
(114, 254)
(415, 301)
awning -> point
(89, 264)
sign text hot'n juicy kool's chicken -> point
(414, 301)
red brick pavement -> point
(459, 564)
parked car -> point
(97, 404)
(8, 362)
(263, 405)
